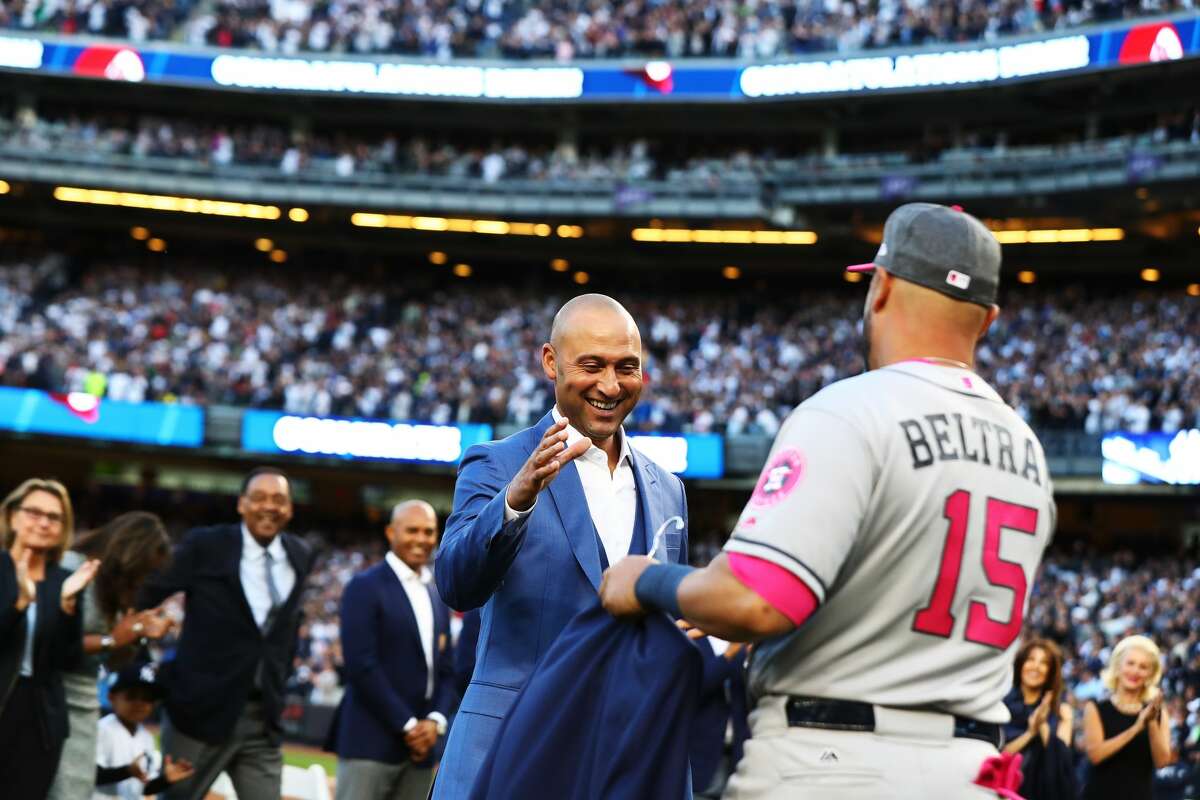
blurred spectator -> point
(130, 547)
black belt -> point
(852, 715)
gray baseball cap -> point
(940, 248)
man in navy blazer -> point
(538, 516)
(399, 668)
(224, 688)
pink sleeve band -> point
(786, 593)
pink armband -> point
(786, 593)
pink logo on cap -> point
(779, 478)
(958, 279)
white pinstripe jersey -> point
(916, 506)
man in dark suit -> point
(539, 516)
(224, 688)
(399, 667)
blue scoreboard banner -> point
(353, 438)
(911, 69)
(689, 455)
(86, 416)
(1163, 458)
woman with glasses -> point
(40, 633)
(130, 547)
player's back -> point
(919, 516)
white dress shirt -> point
(254, 575)
(416, 587)
(611, 495)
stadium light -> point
(1027, 276)
(719, 236)
(1151, 275)
(852, 277)
(1193, 290)
(139, 233)
(5, 188)
(263, 245)
(156, 245)
(278, 256)
(581, 277)
(491, 227)
(560, 264)
(1060, 236)
(437, 258)
(163, 202)
(298, 215)
(731, 273)
(462, 270)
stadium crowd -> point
(212, 146)
(1074, 358)
(568, 29)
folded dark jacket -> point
(605, 716)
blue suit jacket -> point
(531, 576)
(385, 667)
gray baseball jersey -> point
(915, 505)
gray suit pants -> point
(254, 764)
(359, 779)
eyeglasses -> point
(53, 517)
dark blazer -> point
(531, 576)
(212, 675)
(57, 645)
(722, 700)
(385, 667)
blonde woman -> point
(1126, 735)
(40, 633)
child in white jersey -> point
(128, 764)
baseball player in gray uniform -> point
(886, 555)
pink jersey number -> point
(936, 618)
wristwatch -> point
(107, 642)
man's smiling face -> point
(596, 366)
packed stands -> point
(567, 30)
(1073, 357)
(216, 147)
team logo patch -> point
(779, 478)
(958, 280)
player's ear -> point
(993, 311)
(881, 285)
(549, 361)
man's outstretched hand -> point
(543, 466)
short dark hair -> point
(254, 473)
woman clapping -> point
(1127, 735)
(1042, 724)
(40, 633)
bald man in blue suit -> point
(540, 515)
